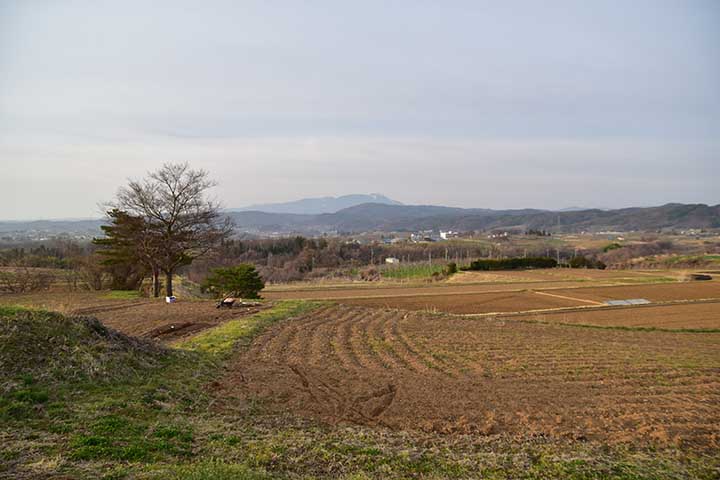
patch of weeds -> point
(24, 402)
(212, 470)
(122, 294)
(121, 438)
(31, 395)
(223, 339)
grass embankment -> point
(85, 401)
(81, 401)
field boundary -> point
(444, 294)
(481, 292)
(401, 286)
(585, 308)
(568, 298)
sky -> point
(502, 104)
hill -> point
(49, 347)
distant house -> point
(448, 235)
(392, 260)
(424, 236)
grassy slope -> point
(151, 415)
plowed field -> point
(655, 293)
(398, 291)
(453, 374)
(683, 316)
(560, 274)
(470, 303)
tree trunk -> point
(168, 284)
(156, 282)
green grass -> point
(690, 260)
(122, 294)
(411, 271)
(238, 333)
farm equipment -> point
(226, 302)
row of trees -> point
(161, 223)
(513, 263)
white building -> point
(448, 235)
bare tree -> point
(22, 279)
(181, 221)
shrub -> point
(611, 246)
(24, 279)
(513, 263)
(584, 262)
(241, 281)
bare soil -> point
(438, 289)
(453, 374)
(168, 322)
(682, 316)
(469, 303)
(558, 274)
(654, 293)
(142, 317)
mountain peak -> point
(318, 205)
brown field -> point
(469, 303)
(654, 293)
(399, 291)
(453, 374)
(505, 297)
(675, 316)
(560, 274)
(140, 317)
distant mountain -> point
(392, 217)
(577, 209)
(315, 206)
(380, 217)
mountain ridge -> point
(318, 205)
(387, 218)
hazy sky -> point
(502, 104)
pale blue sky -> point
(482, 104)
